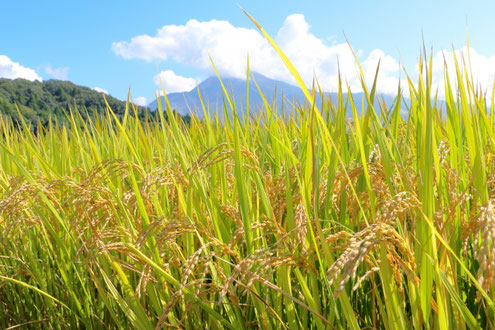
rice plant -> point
(317, 220)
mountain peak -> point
(212, 93)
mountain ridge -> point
(285, 95)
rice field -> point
(317, 220)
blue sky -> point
(116, 44)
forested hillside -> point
(38, 101)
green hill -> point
(38, 101)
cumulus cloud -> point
(13, 70)
(141, 101)
(192, 43)
(481, 67)
(57, 73)
(100, 90)
(173, 83)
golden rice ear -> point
(301, 223)
(484, 246)
(362, 244)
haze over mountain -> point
(285, 95)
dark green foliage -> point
(40, 101)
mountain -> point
(211, 93)
(37, 101)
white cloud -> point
(141, 101)
(57, 73)
(481, 67)
(13, 70)
(100, 90)
(192, 43)
(173, 83)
